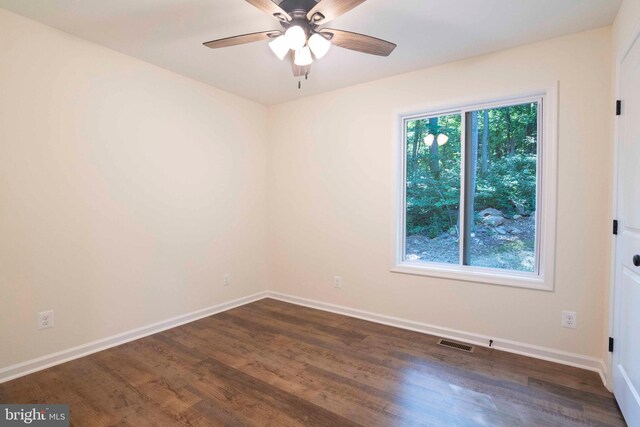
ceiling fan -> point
(302, 38)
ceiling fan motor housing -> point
(298, 11)
(304, 6)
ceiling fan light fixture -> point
(296, 37)
(429, 139)
(279, 46)
(303, 57)
(319, 45)
(442, 139)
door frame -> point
(620, 57)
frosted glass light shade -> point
(279, 46)
(319, 45)
(296, 37)
(303, 57)
(429, 139)
(442, 139)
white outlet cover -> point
(337, 282)
(226, 279)
(45, 319)
(569, 319)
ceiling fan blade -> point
(360, 42)
(326, 10)
(271, 8)
(297, 70)
(245, 38)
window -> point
(473, 202)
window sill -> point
(476, 275)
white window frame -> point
(543, 277)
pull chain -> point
(306, 77)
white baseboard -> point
(565, 358)
(40, 363)
(537, 352)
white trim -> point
(546, 211)
(43, 362)
(544, 353)
(467, 273)
(628, 45)
(537, 352)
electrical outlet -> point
(337, 282)
(569, 319)
(45, 319)
(226, 280)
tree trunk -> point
(485, 144)
(532, 126)
(473, 165)
(418, 131)
(511, 142)
(433, 150)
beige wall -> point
(331, 185)
(126, 192)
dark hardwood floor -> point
(273, 363)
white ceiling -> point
(170, 33)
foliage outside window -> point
(471, 187)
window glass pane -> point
(502, 183)
(433, 161)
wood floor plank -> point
(370, 366)
(274, 363)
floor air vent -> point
(456, 345)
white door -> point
(626, 354)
